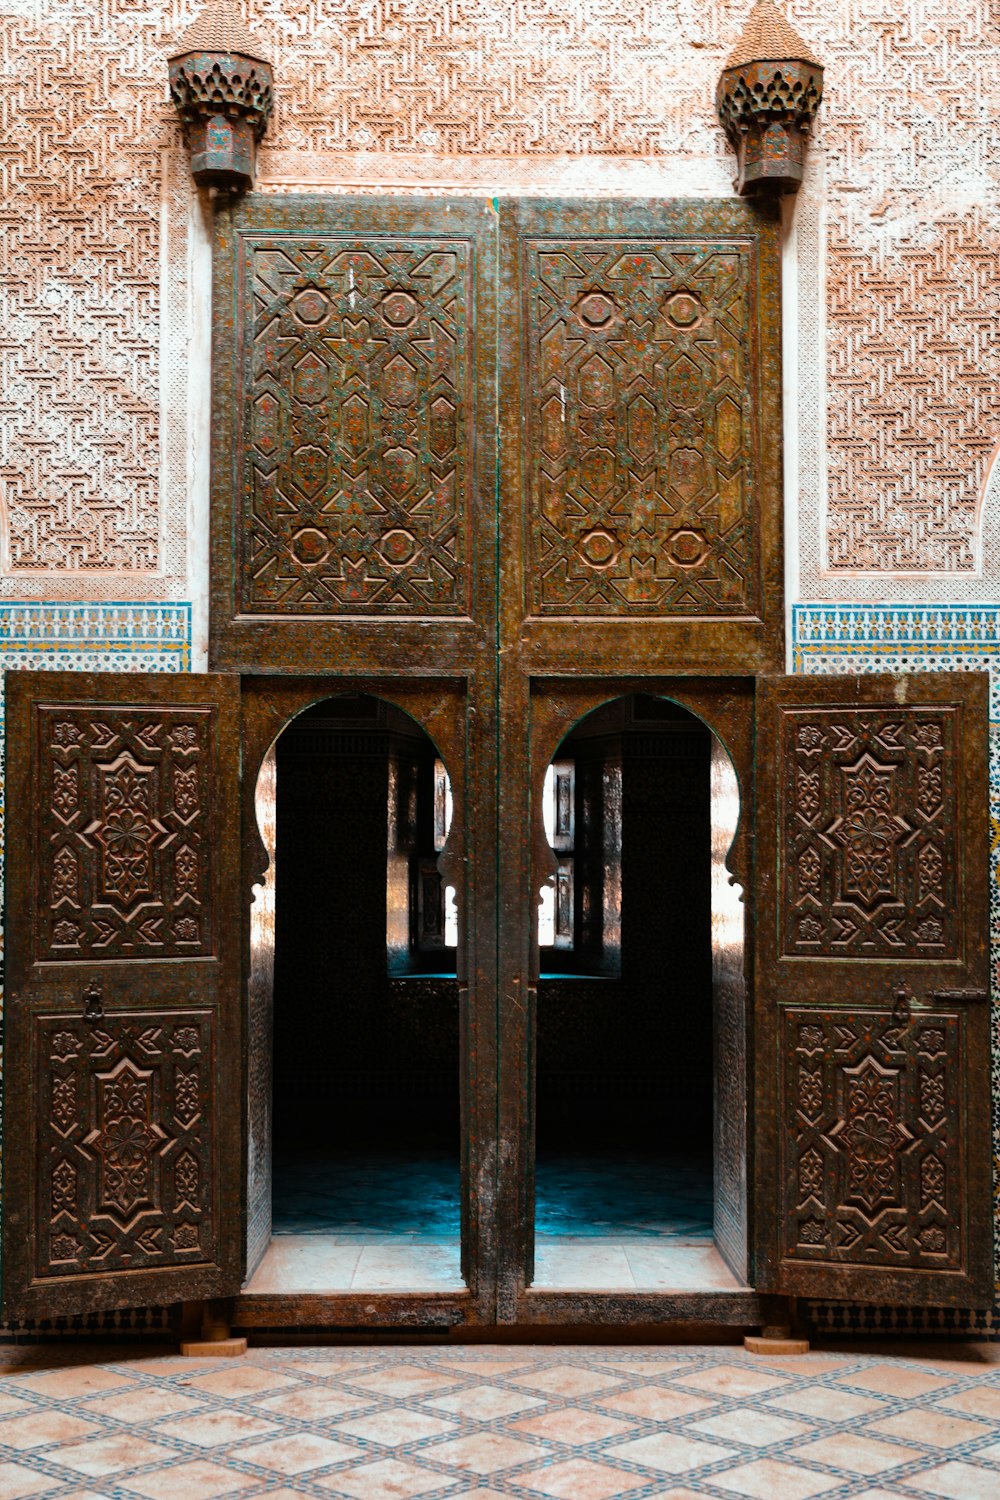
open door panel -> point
(872, 1012)
(123, 1063)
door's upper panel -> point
(354, 430)
(641, 447)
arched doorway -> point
(640, 806)
(354, 952)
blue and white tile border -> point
(839, 638)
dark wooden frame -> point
(550, 706)
(694, 643)
(458, 715)
(363, 643)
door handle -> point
(93, 1003)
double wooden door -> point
(498, 466)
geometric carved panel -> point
(640, 451)
(873, 1145)
(124, 832)
(871, 848)
(124, 1141)
(354, 465)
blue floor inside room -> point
(379, 1195)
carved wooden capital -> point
(766, 109)
(222, 86)
(767, 98)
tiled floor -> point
(482, 1422)
(651, 1265)
(328, 1263)
(390, 1222)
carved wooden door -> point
(123, 1063)
(640, 412)
(872, 1007)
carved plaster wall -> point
(895, 245)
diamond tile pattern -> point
(425, 1422)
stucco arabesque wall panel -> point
(538, 96)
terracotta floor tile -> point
(10, 1404)
(758, 1428)
(581, 1479)
(675, 1494)
(212, 1428)
(404, 1380)
(144, 1406)
(871, 1494)
(476, 1494)
(84, 1495)
(313, 1403)
(572, 1425)
(569, 1380)
(386, 1479)
(895, 1380)
(977, 1400)
(473, 1364)
(175, 1364)
(107, 1455)
(801, 1365)
(769, 1479)
(828, 1402)
(323, 1367)
(733, 1380)
(486, 1402)
(43, 1427)
(239, 1380)
(956, 1481)
(69, 1384)
(653, 1369)
(854, 1451)
(655, 1403)
(296, 1453)
(17, 1482)
(199, 1480)
(395, 1427)
(671, 1452)
(924, 1425)
(483, 1452)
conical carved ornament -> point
(767, 98)
(222, 87)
